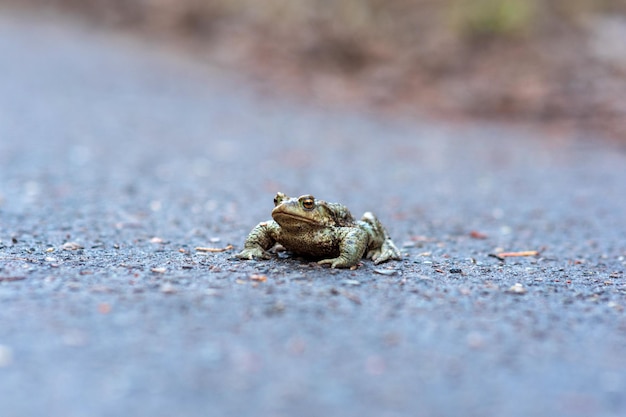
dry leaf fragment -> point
(227, 248)
(352, 297)
(104, 308)
(421, 239)
(101, 289)
(257, 277)
(10, 279)
(474, 234)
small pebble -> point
(386, 271)
(168, 288)
(258, 277)
(375, 365)
(71, 246)
(517, 288)
(75, 338)
(475, 340)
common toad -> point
(317, 229)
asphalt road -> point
(118, 160)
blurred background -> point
(561, 62)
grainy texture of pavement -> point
(116, 162)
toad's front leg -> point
(352, 244)
(260, 239)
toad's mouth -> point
(286, 219)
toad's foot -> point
(339, 262)
(386, 252)
(254, 252)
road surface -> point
(119, 159)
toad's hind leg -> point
(381, 247)
(352, 245)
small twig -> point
(11, 279)
(503, 255)
(12, 258)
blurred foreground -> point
(559, 61)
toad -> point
(320, 230)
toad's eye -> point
(308, 203)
